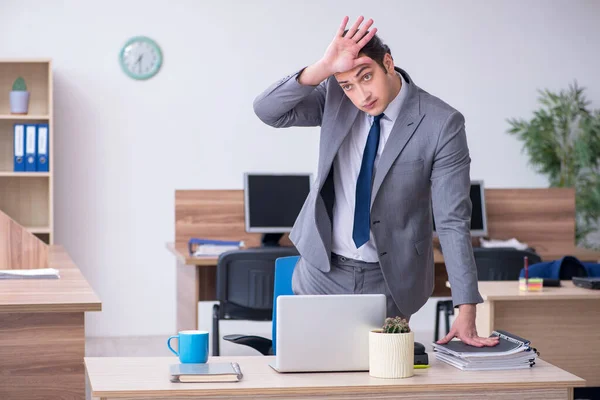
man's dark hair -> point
(375, 49)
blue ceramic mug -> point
(192, 346)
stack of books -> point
(512, 352)
(211, 248)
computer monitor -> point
(478, 214)
(272, 202)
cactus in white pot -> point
(392, 350)
(19, 97)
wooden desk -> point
(554, 253)
(196, 277)
(196, 281)
(42, 335)
(147, 378)
(563, 323)
(542, 218)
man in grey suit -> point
(389, 151)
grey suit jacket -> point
(425, 162)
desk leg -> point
(41, 355)
(194, 283)
(207, 282)
(484, 317)
(187, 297)
(440, 279)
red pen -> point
(526, 261)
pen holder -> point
(531, 285)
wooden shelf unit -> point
(27, 197)
(28, 117)
(25, 174)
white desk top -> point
(149, 376)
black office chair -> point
(245, 286)
(502, 264)
(493, 264)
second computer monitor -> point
(272, 202)
(478, 213)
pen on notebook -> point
(526, 261)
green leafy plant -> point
(19, 85)
(562, 141)
(395, 325)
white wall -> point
(123, 147)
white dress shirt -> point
(347, 165)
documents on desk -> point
(210, 248)
(512, 352)
(41, 273)
(495, 243)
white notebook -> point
(208, 372)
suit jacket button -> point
(383, 253)
(376, 222)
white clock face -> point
(141, 58)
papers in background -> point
(211, 248)
(41, 273)
(514, 243)
(511, 352)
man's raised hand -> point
(342, 53)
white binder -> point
(30, 148)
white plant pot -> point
(391, 355)
(19, 102)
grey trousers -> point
(347, 276)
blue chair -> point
(245, 283)
(284, 269)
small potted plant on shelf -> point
(19, 97)
(392, 350)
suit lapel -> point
(333, 137)
(407, 122)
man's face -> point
(369, 86)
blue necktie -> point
(362, 209)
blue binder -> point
(43, 154)
(30, 147)
(19, 147)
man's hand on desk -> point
(464, 329)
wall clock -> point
(140, 58)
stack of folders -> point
(211, 248)
(512, 352)
(31, 147)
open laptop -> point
(326, 332)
